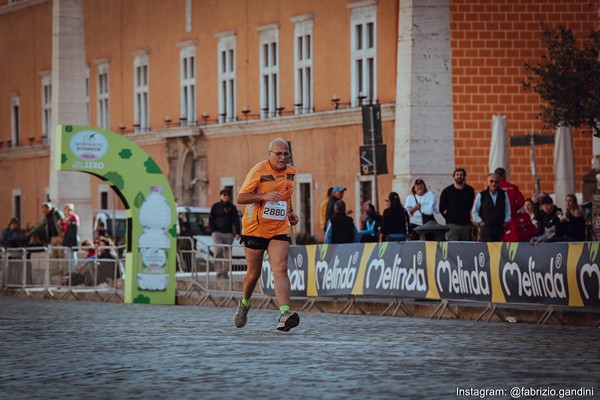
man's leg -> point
(453, 233)
(254, 266)
(278, 255)
(484, 234)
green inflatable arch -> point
(148, 199)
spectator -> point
(341, 228)
(421, 204)
(70, 234)
(456, 202)
(364, 211)
(224, 222)
(47, 230)
(104, 268)
(323, 209)
(530, 210)
(575, 221)
(394, 224)
(100, 231)
(491, 211)
(11, 235)
(551, 226)
(516, 201)
(337, 193)
(370, 228)
(185, 245)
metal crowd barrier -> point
(54, 271)
(202, 267)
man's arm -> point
(506, 209)
(211, 218)
(443, 202)
(475, 211)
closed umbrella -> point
(564, 165)
(499, 144)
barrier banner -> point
(394, 269)
(587, 274)
(297, 265)
(534, 273)
(336, 268)
(462, 271)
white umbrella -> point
(499, 144)
(564, 165)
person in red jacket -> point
(516, 199)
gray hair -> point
(278, 140)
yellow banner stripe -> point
(311, 280)
(494, 249)
(359, 284)
(430, 254)
(573, 255)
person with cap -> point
(47, 230)
(337, 193)
(224, 223)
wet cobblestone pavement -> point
(66, 349)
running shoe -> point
(288, 320)
(241, 316)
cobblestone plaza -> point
(64, 349)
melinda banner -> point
(547, 273)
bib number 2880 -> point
(275, 210)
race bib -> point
(275, 210)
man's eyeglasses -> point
(279, 154)
(493, 181)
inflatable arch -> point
(150, 259)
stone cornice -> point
(325, 119)
(25, 152)
(318, 120)
(9, 8)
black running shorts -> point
(259, 243)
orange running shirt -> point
(268, 219)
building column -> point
(424, 136)
(69, 106)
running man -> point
(267, 192)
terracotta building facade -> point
(205, 85)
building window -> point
(363, 44)
(303, 77)
(15, 116)
(226, 57)
(269, 71)
(16, 195)
(46, 106)
(103, 191)
(141, 93)
(188, 85)
(303, 203)
(103, 89)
